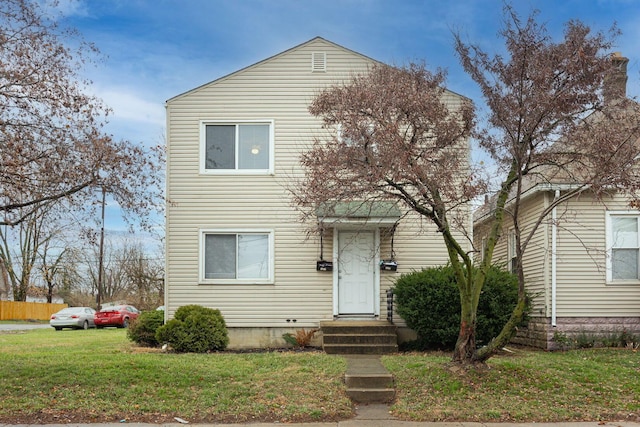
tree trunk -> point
(466, 344)
(50, 286)
(20, 291)
(507, 333)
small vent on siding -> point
(318, 62)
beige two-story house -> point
(233, 239)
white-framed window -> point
(243, 147)
(511, 251)
(623, 246)
(238, 256)
(483, 247)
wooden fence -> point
(13, 310)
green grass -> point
(581, 385)
(99, 376)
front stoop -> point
(359, 337)
(367, 380)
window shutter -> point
(318, 62)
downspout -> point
(554, 232)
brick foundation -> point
(571, 330)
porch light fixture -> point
(388, 265)
(322, 264)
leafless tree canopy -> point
(391, 136)
(52, 143)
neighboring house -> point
(233, 239)
(582, 269)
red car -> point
(115, 315)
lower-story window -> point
(623, 244)
(237, 257)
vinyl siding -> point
(581, 287)
(537, 255)
(278, 89)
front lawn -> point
(523, 386)
(100, 376)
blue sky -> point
(156, 49)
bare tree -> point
(145, 274)
(548, 121)
(131, 273)
(556, 115)
(54, 262)
(19, 246)
(52, 145)
(70, 279)
(398, 135)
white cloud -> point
(129, 106)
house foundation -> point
(572, 332)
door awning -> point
(381, 213)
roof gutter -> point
(530, 192)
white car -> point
(73, 317)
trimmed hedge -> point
(429, 302)
(143, 330)
(195, 329)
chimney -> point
(615, 84)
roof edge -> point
(317, 38)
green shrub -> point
(195, 329)
(429, 302)
(143, 330)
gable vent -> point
(318, 62)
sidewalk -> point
(372, 415)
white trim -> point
(318, 62)
(376, 270)
(511, 249)
(204, 281)
(359, 223)
(203, 148)
(609, 244)
(554, 280)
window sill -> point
(235, 282)
(623, 283)
(236, 172)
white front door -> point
(356, 272)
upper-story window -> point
(623, 246)
(237, 147)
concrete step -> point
(367, 380)
(371, 395)
(368, 338)
(360, 348)
(359, 337)
(357, 327)
(372, 381)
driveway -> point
(22, 326)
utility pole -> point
(101, 255)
